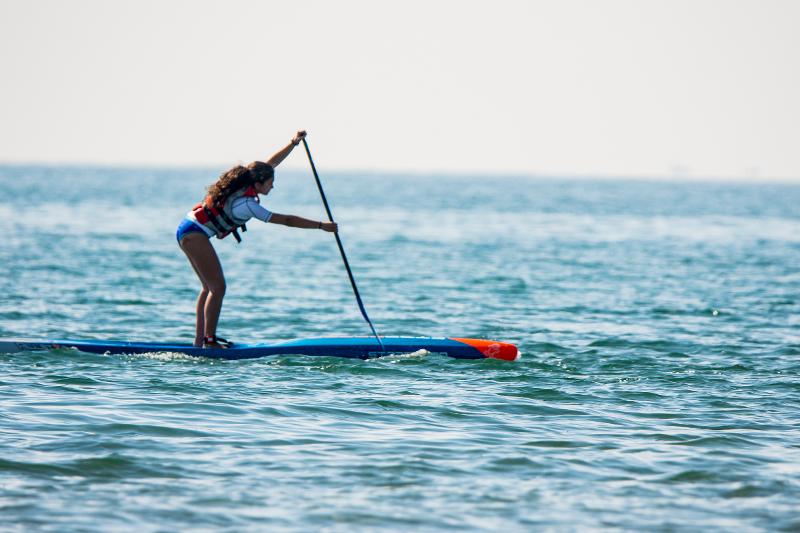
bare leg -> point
(200, 306)
(200, 312)
(206, 265)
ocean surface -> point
(658, 390)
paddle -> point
(341, 248)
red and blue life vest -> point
(219, 219)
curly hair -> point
(237, 178)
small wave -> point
(789, 350)
(535, 393)
(152, 430)
(173, 356)
(557, 444)
(75, 380)
(692, 476)
(548, 347)
(419, 354)
(412, 355)
(654, 345)
(112, 466)
(514, 462)
(673, 311)
(656, 415)
(719, 441)
(755, 491)
(529, 408)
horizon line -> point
(682, 177)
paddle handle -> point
(341, 248)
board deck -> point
(351, 347)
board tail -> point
(493, 349)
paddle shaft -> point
(341, 248)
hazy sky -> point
(618, 87)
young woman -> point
(231, 201)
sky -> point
(672, 89)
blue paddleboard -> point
(352, 347)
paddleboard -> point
(352, 347)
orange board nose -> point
(494, 349)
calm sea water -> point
(659, 389)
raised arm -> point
(281, 154)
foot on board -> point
(216, 342)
